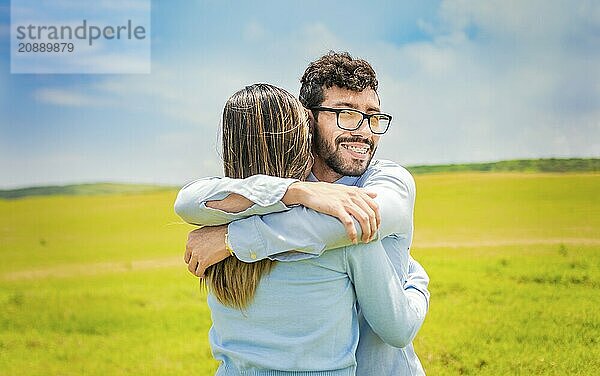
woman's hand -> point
(340, 201)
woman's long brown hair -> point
(265, 131)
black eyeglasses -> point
(349, 119)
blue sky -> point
(465, 81)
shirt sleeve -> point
(265, 191)
(396, 193)
(394, 313)
(310, 233)
(418, 280)
(303, 231)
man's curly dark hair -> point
(335, 69)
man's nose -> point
(364, 130)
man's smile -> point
(357, 150)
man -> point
(341, 93)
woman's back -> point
(302, 318)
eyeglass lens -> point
(350, 120)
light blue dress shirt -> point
(270, 229)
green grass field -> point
(96, 285)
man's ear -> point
(311, 121)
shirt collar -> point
(345, 180)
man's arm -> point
(394, 312)
(418, 280)
(311, 232)
(396, 194)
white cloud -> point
(68, 98)
(316, 39)
(254, 32)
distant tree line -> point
(517, 165)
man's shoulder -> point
(390, 173)
(384, 167)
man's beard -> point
(332, 155)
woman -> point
(272, 318)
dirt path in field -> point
(503, 242)
(74, 270)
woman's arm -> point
(234, 203)
(216, 201)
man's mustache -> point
(367, 141)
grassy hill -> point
(82, 190)
(517, 165)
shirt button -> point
(253, 255)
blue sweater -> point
(304, 318)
